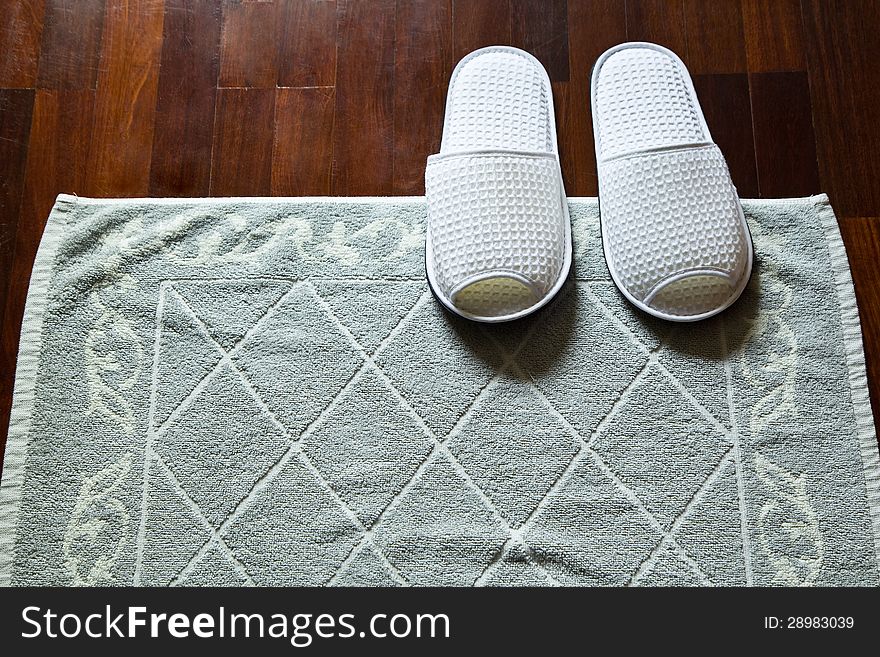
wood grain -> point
(727, 108)
(593, 27)
(125, 105)
(249, 52)
(303, 150)
(20, 31)
(479, 23)
(784, 141)
(184, 134)
(541, 28)
(58, 158)
(16, 107)
(363, 138)
(71, 46)
(715, 36)
(242, 160)
(422, 66)
(307, 43)
(566, 126)
(843, 51)
(774, 34)
(658, 21)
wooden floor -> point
(302, 97)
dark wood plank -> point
(843, 51)
(16, 106)
(422, 66)
(59, 145)
(249, 54)
(541, 28)
(774, 35)
(125, 105)
(307, 43)
(181, 159)
(363, 136)
(566, 127)
(302, 152)
(785, 146)
(727, 107)
(20, 30)
(862, 238)
(716, 43)
(479, 23)
(59, 151)
(593, 27)
(242, 161)
(71, 45)
(657, 21)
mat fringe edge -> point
(855, 361)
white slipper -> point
(675, 238)
(499, 235)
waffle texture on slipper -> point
(675, 238)
(499, 238)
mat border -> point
(35, 306)
(855, 360)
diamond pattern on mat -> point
(185, 356)
(669, 569)
(172, 533)
(510, 422)
(589, 532)
(423, 535)
(214, 569)
(656, 430)
(370, 309)
(229, 308)
(354, 452)
(696, 358)
(280, 359)
(293, 533)
(411, 537)
(442, 381)
(577, 340)
(365, 569)
(719, 550)
(647, 329)
(221, 445)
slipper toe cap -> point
(675, 237)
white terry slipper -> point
(499, 235)
(675, 238)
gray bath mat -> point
(234, 391)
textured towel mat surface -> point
(233, 391)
